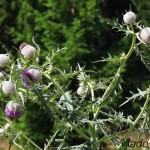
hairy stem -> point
(10, 144)
(114, 82)
(80, 132)
(136, 120)
(31, 142)
(93, 134)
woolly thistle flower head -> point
(8, 87)
(27, 50)
(145, 35)
(129, 17)
(23, 80)
(81, 91)
(4, 58)
(33, 74)
(13, 109)
(36, 75)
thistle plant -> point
(78, 113)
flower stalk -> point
(80, 132)
(136, 120)
(114, 82)
(35, 145)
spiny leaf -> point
(116, 25)
(144, 58)
(134, 96)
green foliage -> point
(77, 26)
(53, 27)
(143, 8)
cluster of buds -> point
(129, 18)
(27, 77)
(33, 74)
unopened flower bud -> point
(33, 74)
(27, 50)
(145, 35)
(129, 17)
(4, 58)
(14, 110)
(81, 91)
(8, 87)
(36, 75)
(22, 46)
(23, 80)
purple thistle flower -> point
(14, 110)
(12, 113)
(24, 81)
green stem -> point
(137, 120)
(80, 132)
(31, 142)
(92, 126)
(40, 97)
(93, 134)
(114, 82)
(10, 144)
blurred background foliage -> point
(74, 24)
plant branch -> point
(80, 132)
(136, 120)
(31, 142)
(114, 82)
